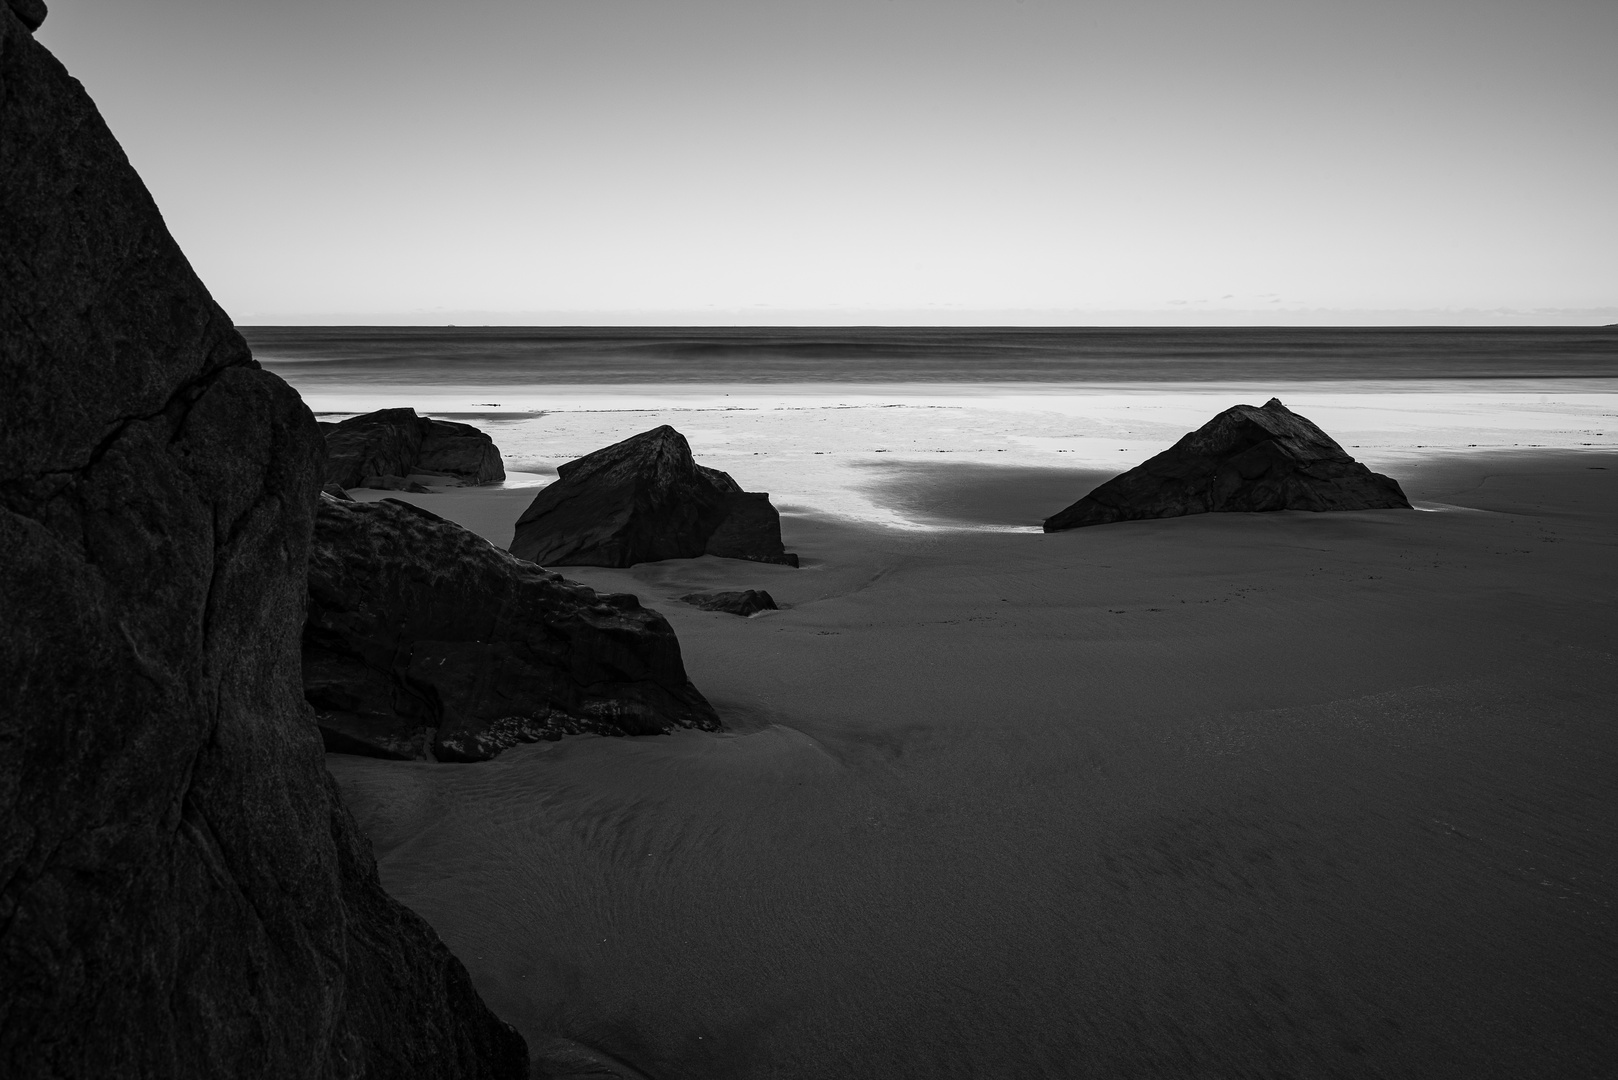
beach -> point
(1274, 794)
(901, 731)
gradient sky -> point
(745, 160)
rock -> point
(1245, 459)
(642, 500)
(421, 633)
(398, 443)
(182, 892)
(461, 451)
(748, 602)
(30, 12)
(394, 483)
(336, 491)
(384, 443)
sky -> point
(748, 161)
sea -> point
(820, 416)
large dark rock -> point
(1245, 459)
(182, 893)
(421, 634)
(383, 448)
(642, 500)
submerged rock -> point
(421, 634)
(744, 603)
(182, 892)
(383, 449)
(642, 500)
(1245, 459)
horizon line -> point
(1585, 318)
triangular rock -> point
(183, 892)
(1245, 459)
(642, 500)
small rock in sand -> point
(744, 603)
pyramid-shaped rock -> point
(642, 500)
(1245, 459)
(183, 893)
(422, 633)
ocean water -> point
(497, 356)
(820, 417)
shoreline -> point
(962, 496)
(827, 452)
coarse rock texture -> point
(382, 449)
(31, 12)
(421, 633)
(1245, 459)
(744, 603)
(182, 891)
(643, 500)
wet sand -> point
(1271, 795)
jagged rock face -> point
(383, 448)
(642, 500)
(182, 893)
(1245, 459)
(421, 634)
(744, 603)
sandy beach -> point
(863, 297)
(1284, 794)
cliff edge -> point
(182, 892)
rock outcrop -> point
(182, 892)
(30, 12)
(642, 500)
(744, 603)
(1245, 459)
(422, 634)
(383, 449)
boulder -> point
(459, 450)
(1245, 459)
(643, 500)
(422, 634)
(394, 444)
(182, 892)
(744, 603)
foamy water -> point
(811, 446)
